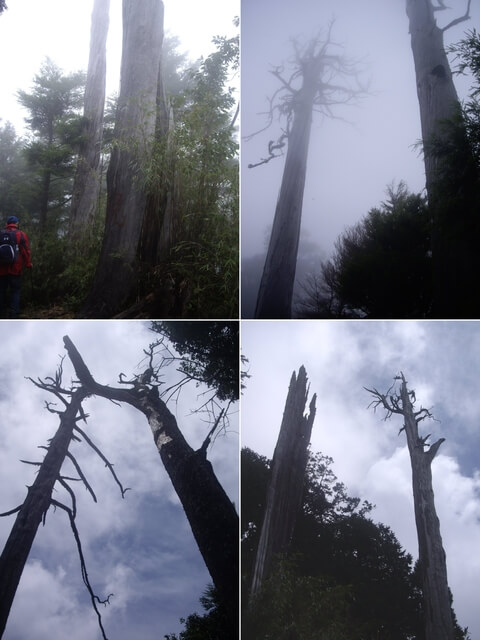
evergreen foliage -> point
(209, 352)
(381, 266)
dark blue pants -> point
(13, 283)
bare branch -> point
(9, 513)
(107, 463)
(458, 20)
(82, 476)
(86, 581)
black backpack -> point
(9, 249)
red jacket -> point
(24, 259)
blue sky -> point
(140, 548)
(440, 361)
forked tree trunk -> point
(276, 287)
(86, 186)
(287, 478)
(36, 504)
(115, 278)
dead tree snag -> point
(311, 87)
(436, 596)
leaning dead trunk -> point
(285, 489)
(34, 509)
(86, 187)
(276, 287)
(210, 513)
(114, 282)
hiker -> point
(14, 255)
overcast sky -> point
(60, 29)
(350, 164)
(440, 361)
(140, 548)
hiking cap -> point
(12, 220)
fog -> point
(352, 157)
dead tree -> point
(211, 514)
(39, 496)
(287, 478)
(439, 623)
(312, 86)
(86, 186)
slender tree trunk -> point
(116, 276)
(211, 514)
(276, 287)
(33, 510)
(286, 485)
(433, 566)
(86, 186)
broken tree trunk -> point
(286, 485)
(34, 508)
(211, 514)
(439, 623)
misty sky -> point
(440, 361)
(140, 548)
(350, 163)
(60, 29)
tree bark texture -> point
(287, 478)
(433, 566)
(86, 186)
(437, 96)
(34, 508)
(276, 286)
(115, 277)
(211, 514)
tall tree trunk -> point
(276, 287)
(115, 278)
(287, 478)
(86, 187)
(211, 514)
(33, 510)
(433, 567)
(455, 231)
(439, 623)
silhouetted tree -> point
(312, 86)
